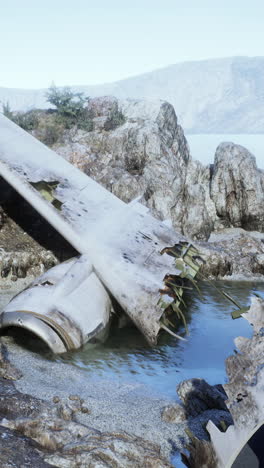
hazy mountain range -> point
(210, 96)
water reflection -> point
(126, 355)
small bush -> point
(28, 120)
(7, 110)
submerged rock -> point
(198, 396)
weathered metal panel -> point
(123, 245)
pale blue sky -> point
(81, 42)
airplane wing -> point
(123, 244)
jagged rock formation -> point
(233, 252)
(147, 155)
(237, 188)
(210, 96)
(136, 148)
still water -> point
(126, 357)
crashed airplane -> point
(126, 254)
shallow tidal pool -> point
(126, 356)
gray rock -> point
(233, 252)
(136, 148)
(196, 211)
(198, 396)
(7, 371)
(237, 188)
(147, 155)
(245, 371)
(244, 394)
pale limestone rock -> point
(196, 213)
(142, 151)
(146, 155)
(237, 188)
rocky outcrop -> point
(233, 252)
(196, 212)
(145, 156)
(245, 395)
(137, 148)
(198, 396)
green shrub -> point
(26, 120)
(49, 134)
(7, 110)
(70, 107)
(85, 121)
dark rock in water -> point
(147, 155)
(198, 396)
(201, 454)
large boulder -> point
(136, 149)
(196, 211)
(237, 188)
(198, 396)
